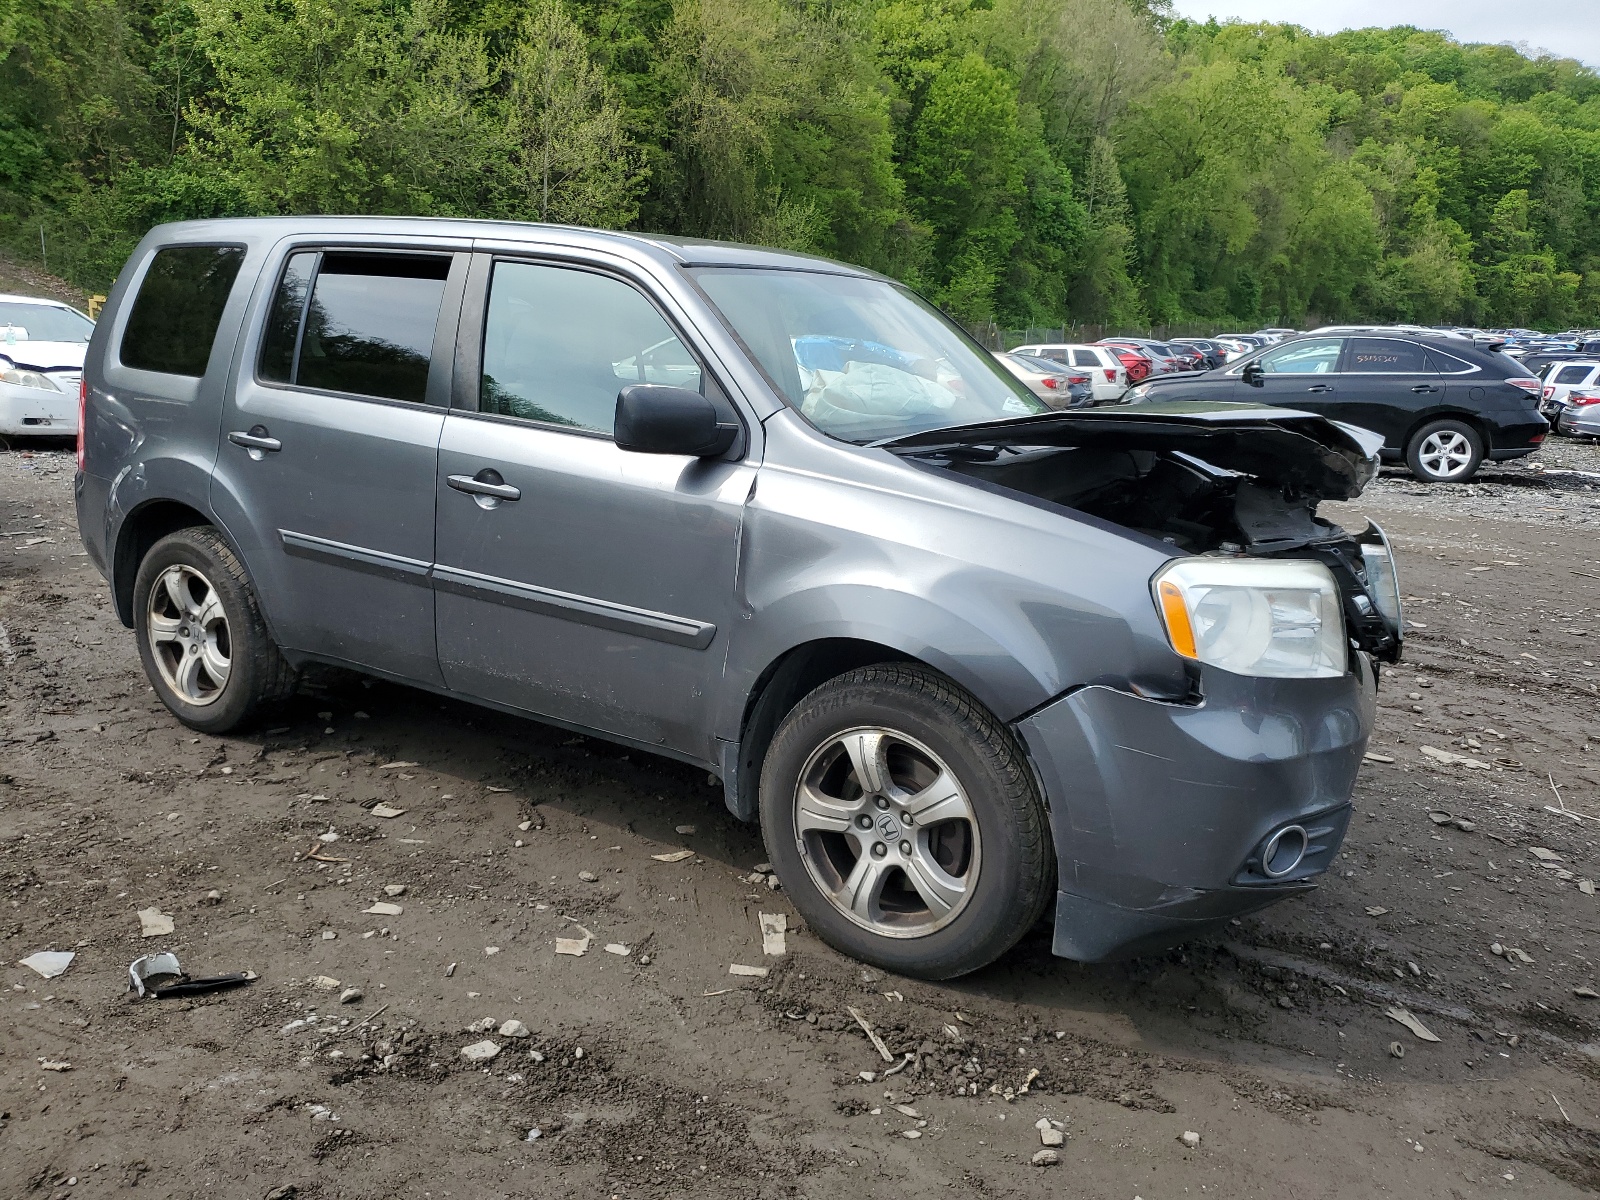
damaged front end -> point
(1208, 480)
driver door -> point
(1302, 374)
(576, 580)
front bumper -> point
(1160, 811)
(34, 411)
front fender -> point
(1004, 677)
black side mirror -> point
(653, 418)
(1254, 376)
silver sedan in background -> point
(1057, 386)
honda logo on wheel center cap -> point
(888, 827)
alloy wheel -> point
(887, 832)
(189, 636)
(1445, 453)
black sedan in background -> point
(1442, 404)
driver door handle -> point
(479, 487)
(1425, 387)
(1320, 387)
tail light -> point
(1526, 382)
(1077, 379)
(1549, 391)
(1111, 374)
(83, 407)
(1581, 399)
(1051, 382)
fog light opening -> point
(1283, 851)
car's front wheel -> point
(202, 639)
(904, 822)
(1445, 452)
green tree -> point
(564, 132)
(1522, 283)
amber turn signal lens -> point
(1176, 613)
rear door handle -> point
(484, 487)
(256, 441)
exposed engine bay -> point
(1220, 479)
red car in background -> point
(1140, 366)
(1165, 359)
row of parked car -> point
(1080, 375)
(1444, 400)
(1568, 365)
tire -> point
(1445, 452)
(943, 897)
(210, 659)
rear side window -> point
(1572, 375)
(1387, 355)
(1448, 364)
(356, 323)
(175, 316)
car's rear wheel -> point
(1445, 452)
(202, 639)
(904, 822)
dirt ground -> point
(25, 279)
(656, 1072)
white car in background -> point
(1107, 376)
(1561, 379)
(42, 343)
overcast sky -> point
(1570, 28)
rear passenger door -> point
(1388, 385)
(578, 581)
(330, 435)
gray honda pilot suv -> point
(964, 657)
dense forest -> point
(1019, 161)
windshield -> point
(42, 323)
(862, 359)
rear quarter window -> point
(175, 316)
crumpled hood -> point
(44, 356)
(1305, 453)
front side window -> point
(21, 321)
(862, 359)
(1313, 356)
(355, 322)
(1387, 356)
(560, 343)
(175, 316)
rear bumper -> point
(90, 494)
(1517, 434)
(1160, 812)
(1581, 421)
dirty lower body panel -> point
(1172, 818)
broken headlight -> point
(1383, 580)
(1278, 618)
(22, 377)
